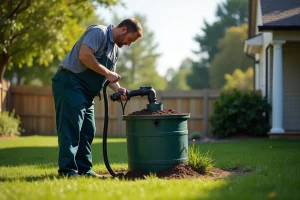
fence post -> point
(9, 97)
(119, 120)
(158, 96)
(206, 110)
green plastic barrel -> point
(156, 142)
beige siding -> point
(291, 86)
(286, 35)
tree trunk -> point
(4, 59)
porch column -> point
(277, 97)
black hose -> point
(104, 141)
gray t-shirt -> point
(96, 38)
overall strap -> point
(104, 51)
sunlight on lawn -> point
(28, 170)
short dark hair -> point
(132, 25)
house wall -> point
(286, 35)
(261, 68)
(291, 83)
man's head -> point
(128, 31)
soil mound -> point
(181, 171)
(166, 111)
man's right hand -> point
(113, 77)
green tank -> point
(156, 142)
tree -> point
(38, 29)
(39, 74)
(199, 76)
(178, 79)
(231, 56)
(229, 13)
(137, 64)
(239, 80)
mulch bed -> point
(181, 171)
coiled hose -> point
(104, 140)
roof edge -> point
(270, 28)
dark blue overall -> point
(74, 104)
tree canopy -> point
(229, 13)
(231, 56)
(38, 74)
(239, 80)
(178, 78)
(40, 29)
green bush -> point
(195, 136)
(200, 162)
(9, 125)
(240, 112)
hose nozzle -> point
(149, 91)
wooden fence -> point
(35, 107)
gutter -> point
(254, 68)
(281, 28)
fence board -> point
(35, 106)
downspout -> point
(267, 64)
(255, 62)
(267, 77)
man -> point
(78, 80)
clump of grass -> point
(200, 162)
(9, 124)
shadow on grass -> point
(32, 178)
(17, 156)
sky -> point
(174, 22)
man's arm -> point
(86, 56)
(115, 86)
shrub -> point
(9, 125)
(195, 136)
(240, 112)
(200, 162)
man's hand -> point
(113, 77)
(123, 90)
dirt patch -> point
(166, 111)
(181, 171)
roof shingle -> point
(281, 12)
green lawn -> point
(28, 171)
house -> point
(274, 44)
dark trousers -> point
(75, 124)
